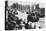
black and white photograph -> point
(24, 15)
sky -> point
(29, 2)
